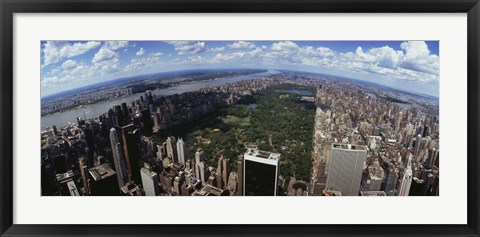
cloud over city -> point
(66, 65)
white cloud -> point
(418, 57)
(217, 49)
(241, 45)
(54, 51)
(412, 62)
(103, 54)
(117, 44)
(188, 47)
(145, 63)
(284, 46)
(140, 52)
(69, 64)
(56, 80)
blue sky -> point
(407, 65)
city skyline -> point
(405, 65)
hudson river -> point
(94, 110)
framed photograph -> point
(239, 118)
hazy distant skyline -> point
(407, 65)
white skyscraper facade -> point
(149, 181)
(182, 152)
(406, 182)
(118, 158)
(345, 168)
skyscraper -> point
(398, 121)
(240, 175)
(160, 152)
(172, 149)
(261, 170)
(182, 152)
(406, 182)
(131, 149)
(118, 158)
(103, 181)
(149, 181)
(147, 123)
(223, 168)
(345, 168)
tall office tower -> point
(156, 121)
(418, 143)
(391, 179)
(118, 158)
(398, 121)
(103, 181)
(199, 156)
(232, 181)
(345, 168)
(126, 114)
(223, 168)
(147, 123)
(261, 170)
(119, 120)
(406, 181)
(172, 149)
(240, 175)
(149, 181)
(131, 148)
(83, 172)
(374, 179)
(409, 129)
(89, 138)
(201, 172)
(182, 152)
(433, 157)
(160, 152)
(177, 186)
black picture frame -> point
(9, 7)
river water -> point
(62, 119)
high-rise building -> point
(182, 152)
(172, 149)
(261, 170)
(132, 152)
(406, 181)
(391, 178)
(374, 179)
(398, 121)
(83, 172)
(199, 156)
(103, 181)
(118, 158)
(223, 168)
(240, 175)
(418, 143)
(149, 181)
(345, 168)
(201, 172)
(147, 123)
(161, 152)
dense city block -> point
(272, 133)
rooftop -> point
(349, 147)
(102, 171)
(263, 154)
(209, 190)
(373, 193)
